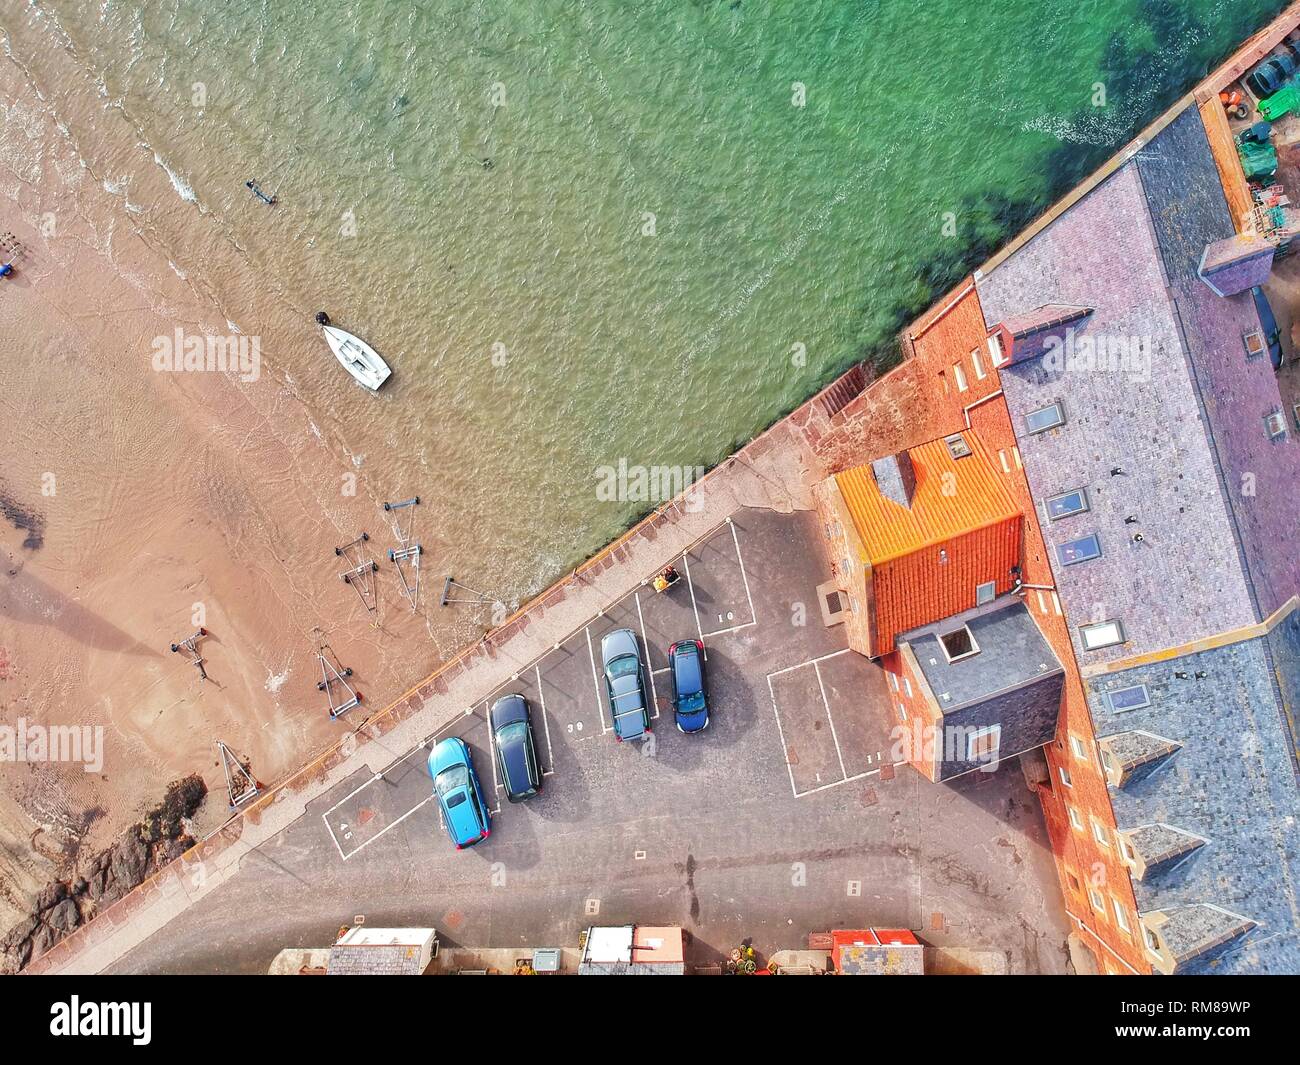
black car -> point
(690, 704)
(1272, 335)
(512, 736)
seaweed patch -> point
(20, 517)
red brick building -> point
(887, 562)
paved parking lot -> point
(786, 816)
(827, 710)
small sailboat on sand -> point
(362, 361)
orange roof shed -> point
(935, 523)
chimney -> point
(1235, 264)
(896, 478)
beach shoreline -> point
(139, 505)
(133, 498)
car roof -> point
(463, 817)
(618, 643)
(686, 667)
(512, 707)
(514, 759)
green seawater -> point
(588, 231)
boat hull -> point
(362, 361)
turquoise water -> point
(462, 179)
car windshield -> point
(691, 703)
(625, 666)
(451, 779)
(512, 733)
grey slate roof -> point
(1159, 846)
(1137, 753)
(896, 477)
(1188, 207)
(1192, 933)
(1013, 654)
(1231, 782)
(374, 959)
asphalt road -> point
(785, 817)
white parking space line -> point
(492, 749)
(733, 628)
(381, 832)
(595, 683)
(753, 618)
(780, 732)
(546, 723)
(387, 828)
(810, 662)
(356, 790)
(743, 575)
(837, 783)
(816, 664)
(645, 656)
(830, 719)
(695, 608)
(330, 829)
(428, 741)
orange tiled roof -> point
(888, 530)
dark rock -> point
(95, 889)
(130, 860)
(160, 838)
(183, 798)
(172, 849)
(22, 930)
(50, 895)
(42, 940)
(64, 917)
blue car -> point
(460, 795)
(690, 704)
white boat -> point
(359, 359)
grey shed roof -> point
(1013, 654)
(374, 959)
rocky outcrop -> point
(62, 906)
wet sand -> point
(130, 499)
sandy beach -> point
(137, 502)
(498, 255)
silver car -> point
(624, 684)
